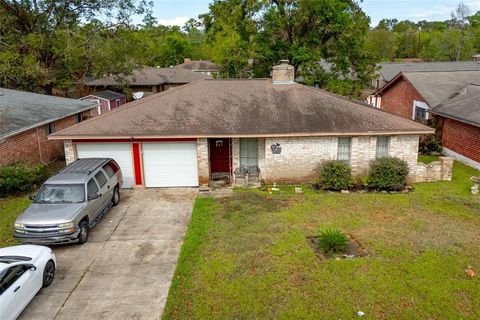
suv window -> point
(101, 178)
(9, 276)
(110, 168)
(92, 187)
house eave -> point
(273, 135)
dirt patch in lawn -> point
(354, 249)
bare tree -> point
(460, 21)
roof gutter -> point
(273, 135)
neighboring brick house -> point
(26, 121)
(148, 80)
(201, 66)
(277, 130)
(386, 71)
(411, 95)
(106, 100)
(459, 125)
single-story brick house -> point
(148, 80)
(411, 95)
(27, 119)
(459, 125)
(106, 100)
(207, 130)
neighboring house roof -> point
(435, 87)
(198, 65)
(242, 108)
(106, 95)
(464, 106)
(150, 76)
(388, 70)
(21, 111)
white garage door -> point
(120, 152)
(170, 164)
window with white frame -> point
(344, 148)
(248, 152)
(383, 145)
(420, 111)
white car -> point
(24, 270)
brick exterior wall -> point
(33, 146)
(398, 99)
(461, 138)
(300, 157)
(203, 162)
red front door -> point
(220, 158)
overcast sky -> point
(176, 12)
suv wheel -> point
(48, 274)
(83, 235)
(116, 196)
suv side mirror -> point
(32, 196)
(93, 196)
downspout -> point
(40, 149)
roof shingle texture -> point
(389, 70)
(198, 65)
(107, 95)
(436, 87)
(150, 76)
(211, 108)
(20, 111)
(464, 106)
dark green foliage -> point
(336, 175)
(388, 174)
(332, 240)
(20, 177)
(430, 144)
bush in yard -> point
(332, 240)
(430, 144)
(20, 177)
(336, 175)
(388, 174)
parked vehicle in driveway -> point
(70, 203)
(24, 270)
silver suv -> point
(71, 202)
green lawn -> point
(246, 257)
(10, 208)
(426, 159)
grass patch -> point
(246, 257)
(10, 208)
(427, 159)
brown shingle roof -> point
(198, 65)
(150, 76)
(214, 108)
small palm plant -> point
(332, 240)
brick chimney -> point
(283, 73)
(186, 60)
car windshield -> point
(61, 193)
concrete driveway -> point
(125, 269)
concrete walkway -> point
(125, 269)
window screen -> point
(383, 144)
(101, 178)
(92, 187)
(343, 152)
(49, 128)
(248, 152)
